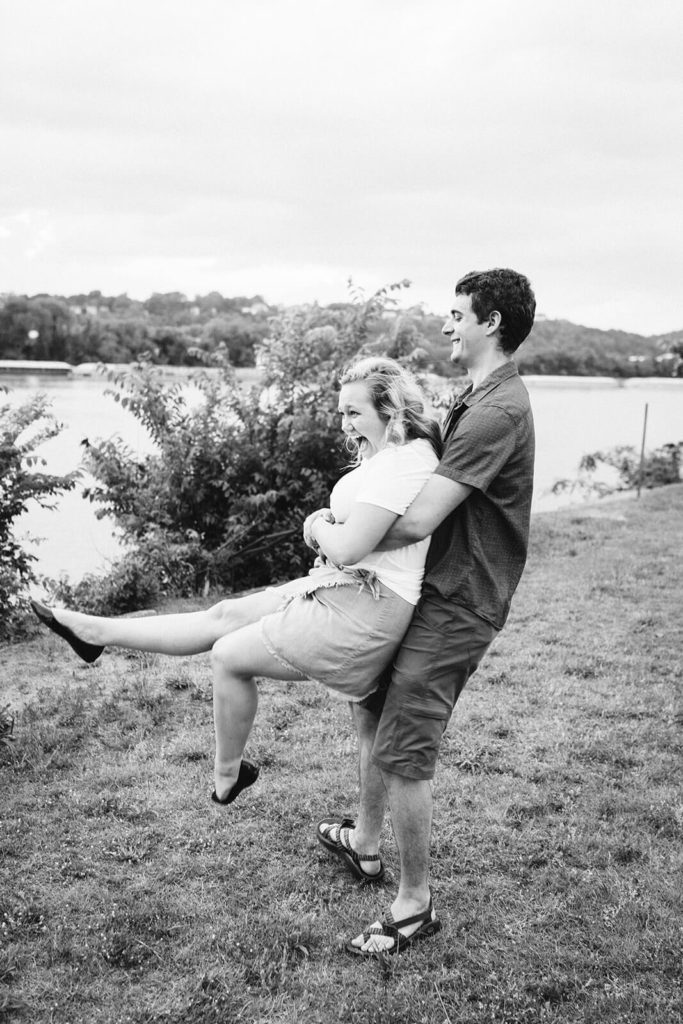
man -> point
(476, 506)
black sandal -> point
(342, 848)
(248, 774)
(428, 926)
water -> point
(574, 415)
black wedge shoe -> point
(248, 774)
(88, 652)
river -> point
(573, 416)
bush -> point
(6, 726)
(660, 466)
(618, 469)
(139, 579)
(23, 428)
(220, 502)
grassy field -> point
(126, 896)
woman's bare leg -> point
(184, 633)
(236, 659)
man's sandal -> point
(390, 929)
(342, 848)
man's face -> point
(469, 338)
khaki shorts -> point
(442, 648)
(342, 636)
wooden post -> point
(642, 453)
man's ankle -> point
(362, 842)
(418, 897)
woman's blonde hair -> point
(398, 399)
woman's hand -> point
(326, 514)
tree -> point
(237, 334)
(168, 306)
(34, 328)
(23, 428)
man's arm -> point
(436, 500)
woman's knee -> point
(220, 652)
(230, 656)
(234, 613)
(225, 613)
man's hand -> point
(326, 513)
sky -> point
(281, 148)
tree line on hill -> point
(171, 329)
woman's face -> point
(360, 419)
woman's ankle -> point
(225, 776)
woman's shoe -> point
(88, 652)
(248, 774)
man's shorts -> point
(442, 648)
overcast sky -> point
(279, 148)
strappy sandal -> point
(428, 926)
(342, 848)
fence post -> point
(642, 452)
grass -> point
(125, 896)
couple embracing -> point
(420, 552)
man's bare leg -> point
(410, 804)
(364, 837)
(373, 795)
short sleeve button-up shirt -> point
(478, 552)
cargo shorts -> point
(442, 648)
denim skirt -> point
(340, 628)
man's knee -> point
(407, 745)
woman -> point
(340, 625)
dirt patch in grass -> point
(126, 896)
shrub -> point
(221, 501)
(619, 469)
(23, 428)
(6, 726)
(660, 466)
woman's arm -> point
(326, 513)
(348, 542)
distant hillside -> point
(561, 347)
(672, 339)
(176, 330)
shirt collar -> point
(471, 395)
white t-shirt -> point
(390, 479)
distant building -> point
(80, 310)
(30, 367)
(255, 309)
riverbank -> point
(574, 417)
(556, 844)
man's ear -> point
(493, 321)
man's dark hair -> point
(506, 291)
